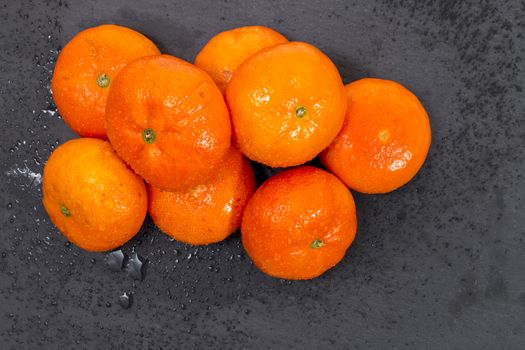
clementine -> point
(299, 223)
(287, 104)
(91, 195)
(385, 138)
(208, 212)
(85, 69)
(221, 56)
(167, 119)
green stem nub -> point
(65, 211)
(103, 80)
(300, 112)
(148, 135)
(317, 243)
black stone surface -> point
(438, 264)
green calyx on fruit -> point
(300, 112)
(384, 135)
(103, 80)
(65, 211)
(317, 243)
(148, 135)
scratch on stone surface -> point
(34, 178)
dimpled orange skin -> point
(299, 223)
(91, 195)
(221, 56)
(93, 52)
(185, 114)
(209, 212)
(267, 95)
(385, 138)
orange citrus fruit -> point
(167, 119)
(221, 56)
(299, 223)
(287, 104)
(208, 212)
(85, 70)
(91, 195)
(384, 140)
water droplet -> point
(125, 300)
(115, 260)
(108, 304)
(135, 267)
(9, 206)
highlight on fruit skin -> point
(287, 103)
(209, 212)
(384, 140)
(299, 223)
(91, 195)
(85, 70)
(177, 133)
(223, 53)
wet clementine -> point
(209, 212)
(85, 70)
(385, 138)
(287, 104)
(167, 119)
(221, 56)
(91, 195)
(299, 223)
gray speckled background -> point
(438, 264)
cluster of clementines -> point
(188, 130)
